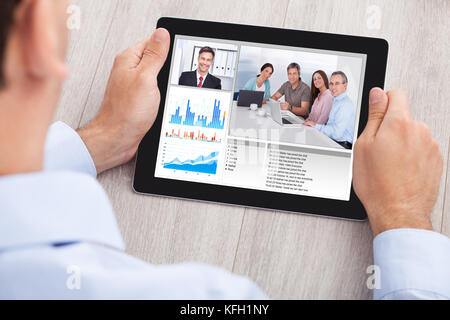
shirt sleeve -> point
(413, 264)
(65, 150)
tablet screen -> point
(300, 141)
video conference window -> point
(204, 64)
(258, 116)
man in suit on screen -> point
(201, 77)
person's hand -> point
(309, 123)
(130, 104)
(285, 106)
(397, 165)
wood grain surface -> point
(291, 256)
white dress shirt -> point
(198, 78)
(59, 240)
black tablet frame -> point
(145, 181)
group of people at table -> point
(325, 105)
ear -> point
(39, 24)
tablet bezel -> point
(145, 181)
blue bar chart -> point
(193, 133)
(216, 121)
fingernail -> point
(159, 35)
(376, 95)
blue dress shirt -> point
(341, 122)
(59, 240)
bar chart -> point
(193, 133)
(216, 121)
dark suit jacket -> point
(189, 78)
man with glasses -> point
(341, 122)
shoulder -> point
(305, 90)
(348, 100)
(327, 95)
(188, 73)
(213, 78)
(250, 81)
(345, 103)
(305, 86)
(285, 85)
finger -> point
(378, 103)
(155, 52)
(131, 57)
(398, 106)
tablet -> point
(203, 147)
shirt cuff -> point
(45, 208)
(318, 126)
(65, 150)
(412, 260)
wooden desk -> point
(290, 256)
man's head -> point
(338, 83)
(33, 40)
(6, 20)
(205, 59)
(293, 70)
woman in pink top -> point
(321, 98)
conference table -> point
(246, 123)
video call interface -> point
(259, 116)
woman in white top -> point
(261, 81)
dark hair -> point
(6, 21)
(266, 65)
(207, 49)
(294, 65)
(340, 73)
(315, 91)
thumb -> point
(378, 103)
(155, 52)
